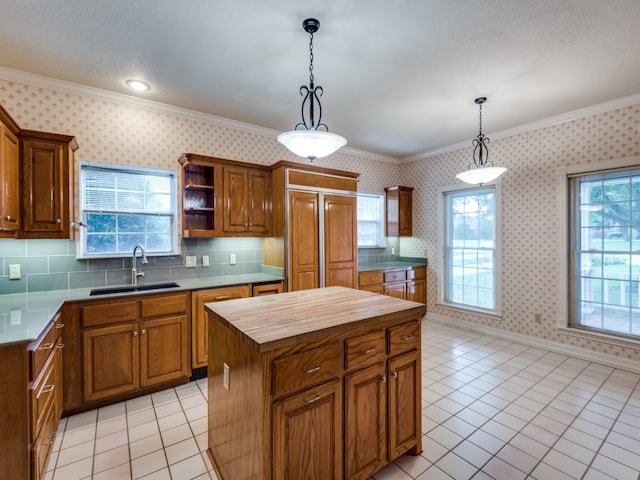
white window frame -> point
(381, 240)
(563, 175)
(441, 245)
(82, 237)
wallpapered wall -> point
(530, 251)
(125, 133)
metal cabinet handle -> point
(135, 333)
(406, 338)
(60, 325)
(61, 346)
(47, 388)
(394, 374)
(8, 218)
(222, 297)
(46, 346)
(143, 331)
(315, 398)
(383, 379)
(371, 349)
(58, 221)
(312, 369)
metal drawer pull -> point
(394, 374)
(371, 349)
(60, 325)
(61, 346)
(312, 370)
(47, 388)
(223, 297)
(406, 338)
(8, 218)
(46, 346)
(315, 398)
(383, 379)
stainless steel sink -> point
(132, 288)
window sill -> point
(471, 311)
(599, 337)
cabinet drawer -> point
(225, 293)
(267, 289)
(40, 350)
(370, 278)
(404, 338)
(108, 313)
(299, 371)
(43, 443)
(417, 273)
(158, 306)
(365, 350)
(395, 276)
(43, 395)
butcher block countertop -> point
(273, 321)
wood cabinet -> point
(224, 197)
(9, 176)
(47, 173)
(408, 283)
(199, 329)
(126, 346)
(30, 403)
(399, 211)
(314, 226)
(313, 385)
(247, 196)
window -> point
(604, 243)
(469, 244)
(370, 220)
(125, 207)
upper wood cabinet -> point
(399, 211)
(247, 196)
(224, 198)
(47, 171)
(9, 176)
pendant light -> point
(481, 170)
(311, 138)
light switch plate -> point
(14, 272)
(232, 259)
(191, 261)
(205, 260)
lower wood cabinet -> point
(408, 283)
(125, 346)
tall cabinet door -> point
(304, 245)
(340, 234)
(9, 181)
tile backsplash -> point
(52, 264)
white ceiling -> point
(399, 76)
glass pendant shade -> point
(480, 175)
(312, 144)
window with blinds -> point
(125, 207)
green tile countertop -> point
(23, 316)
(368, 267)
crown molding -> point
(528, 127)
(63, 86)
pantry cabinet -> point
(47, 181)
(9, 176)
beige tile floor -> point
(492, 408)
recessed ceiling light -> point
(138, 85)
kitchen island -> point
(313, 384)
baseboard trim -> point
(581, 353)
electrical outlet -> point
(225, 376)
(205, 260)
(232, 259)
(393, 251)
(14, 272)
(537, 318)
(191, 261)
(15, 316)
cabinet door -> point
(405, 212)
(365, 422)
(307, 435)
(111, 361)
(236, 191)
(199, 319)
(397, 290)
(340, 250)
(164, 350)
(304, 267)
(259, 201)
(404, 404)
(45, 187)
(9, 181)
(417, 291)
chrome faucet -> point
(135, 274)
